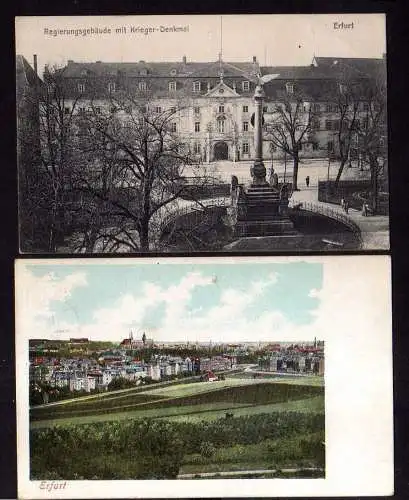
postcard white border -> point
(358, 402)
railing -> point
(328, 212)
(193, 207)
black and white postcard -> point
(204, 377)
(231, 133)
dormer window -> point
(172, 86)
(289, 87)
(196, 87)
(143, 72)
(245, 86)
(81, 88)
(84, 72)
(173, 72)
(142, 86)
(111, 87)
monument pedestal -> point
(261, 211)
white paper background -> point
(355, 323)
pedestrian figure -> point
(342, 203)
(307, 180)
(346, 206)
(365, 209)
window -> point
(196, 110)
(328, 125)
(173, 109)
(265, 109)
(315, 146)
(143, 72)
(111, 87)
(330, 146)
(196, 86)
(289, 87)
(221, 108)
(197, 126)
(220, 125)
(158, 109)
(342, 88)
(245, 109)
(315, 124)
(82, 110)
(67, 110)
(245, 148)
(142, 86)
(331, 108)
(245, 126)
(365, 106)
(97, 110)
(316, 108)
(172, 86)
(245, 86)
(81, 88)
(196, 148)
(173, 127)
(113, 109)
(300, 146)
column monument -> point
(260, 209)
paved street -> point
(315, 169)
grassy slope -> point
(184, 399)
(199, 412)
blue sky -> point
(172, 301)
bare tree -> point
(345, 124)
(135, 168)
(55, 158)
(289, 127)
(372, 139)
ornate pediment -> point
(222, 90)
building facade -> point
(210, 105)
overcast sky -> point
(275, 39)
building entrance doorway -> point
(221, 151)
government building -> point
(210, 104)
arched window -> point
(221, 124)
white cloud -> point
(348, 302)
(36, 295)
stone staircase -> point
(262, 213)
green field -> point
(237, 425)
(205, 412)
(206, 400)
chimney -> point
(184, 59)
(254, 59)
(35, 64)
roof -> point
(25, 74)
(363, 67)
(160, 69)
